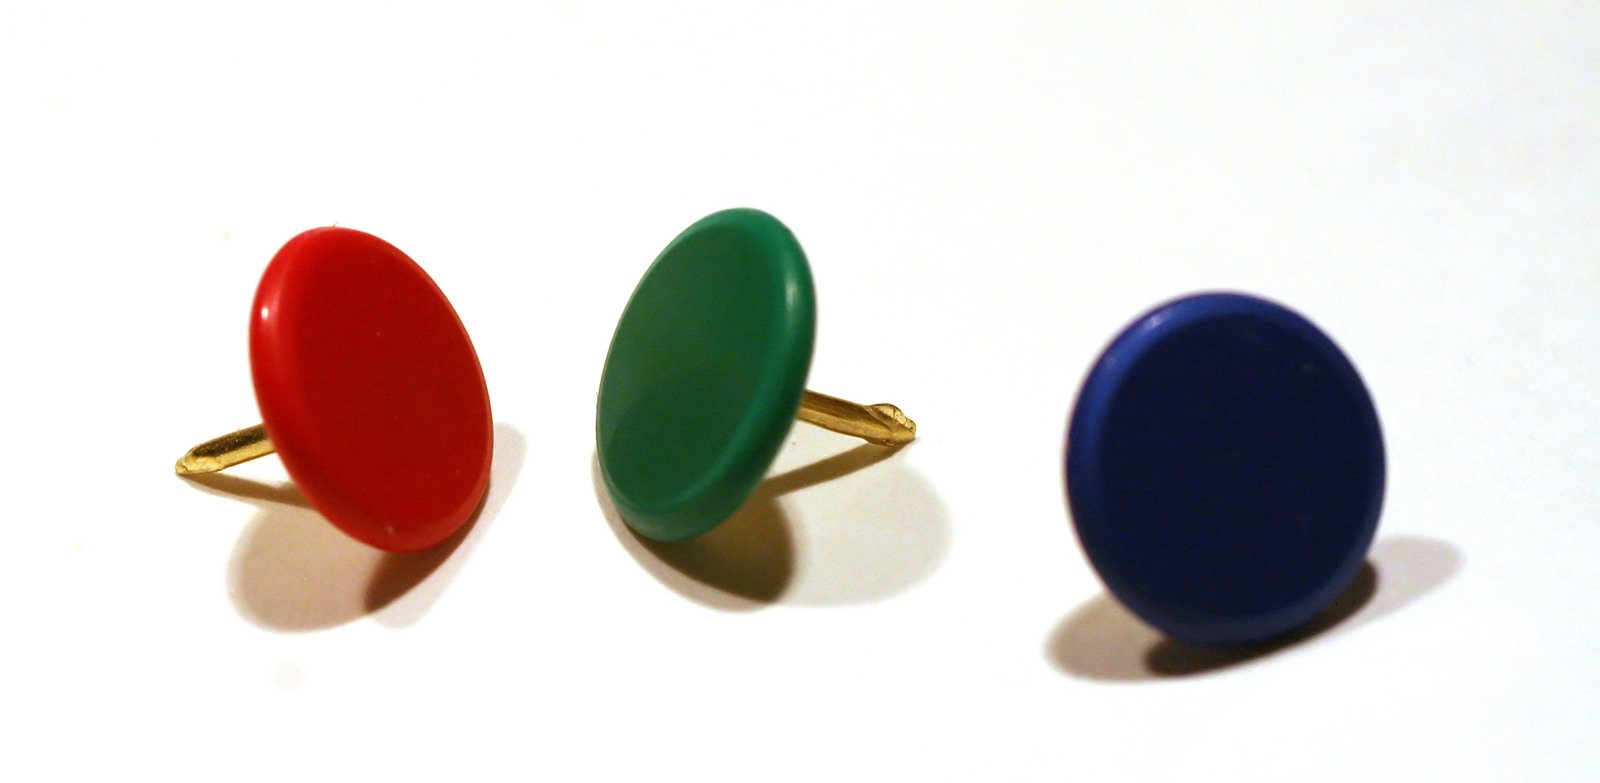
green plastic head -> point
(705, 374)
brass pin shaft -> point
(880, 423)
(225, 452)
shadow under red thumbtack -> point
(291, 571)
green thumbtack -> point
(707, 372)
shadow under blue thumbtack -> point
(1225, 469)
(1101, 640)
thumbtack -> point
(706, 375)
(369, 390)
(1225, 469)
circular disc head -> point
(705, 374)
(370, 390)
(1225, 469)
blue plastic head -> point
(1225, 469)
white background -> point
(987, 192)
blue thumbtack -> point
(1225, 469)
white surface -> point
(987, 192)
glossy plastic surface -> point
(1225, 469)
(370, 389)
(705, 374)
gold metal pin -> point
(225, 452)
(880, 423)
